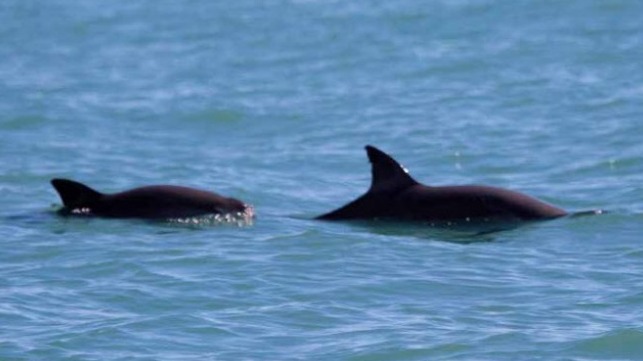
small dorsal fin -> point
(387, 173)
(74, 194)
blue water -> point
(272, 102)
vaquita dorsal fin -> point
(388, 174)
(74, 194)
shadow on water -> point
(60, 221)
(454, 232)
(445, 232)
(464, 232)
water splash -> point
(239, 219)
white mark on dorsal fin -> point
(387, 173)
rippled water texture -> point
(272, 103)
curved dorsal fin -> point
(74, 194)
(388, 174)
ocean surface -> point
(272, 102)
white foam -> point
(240, 219)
